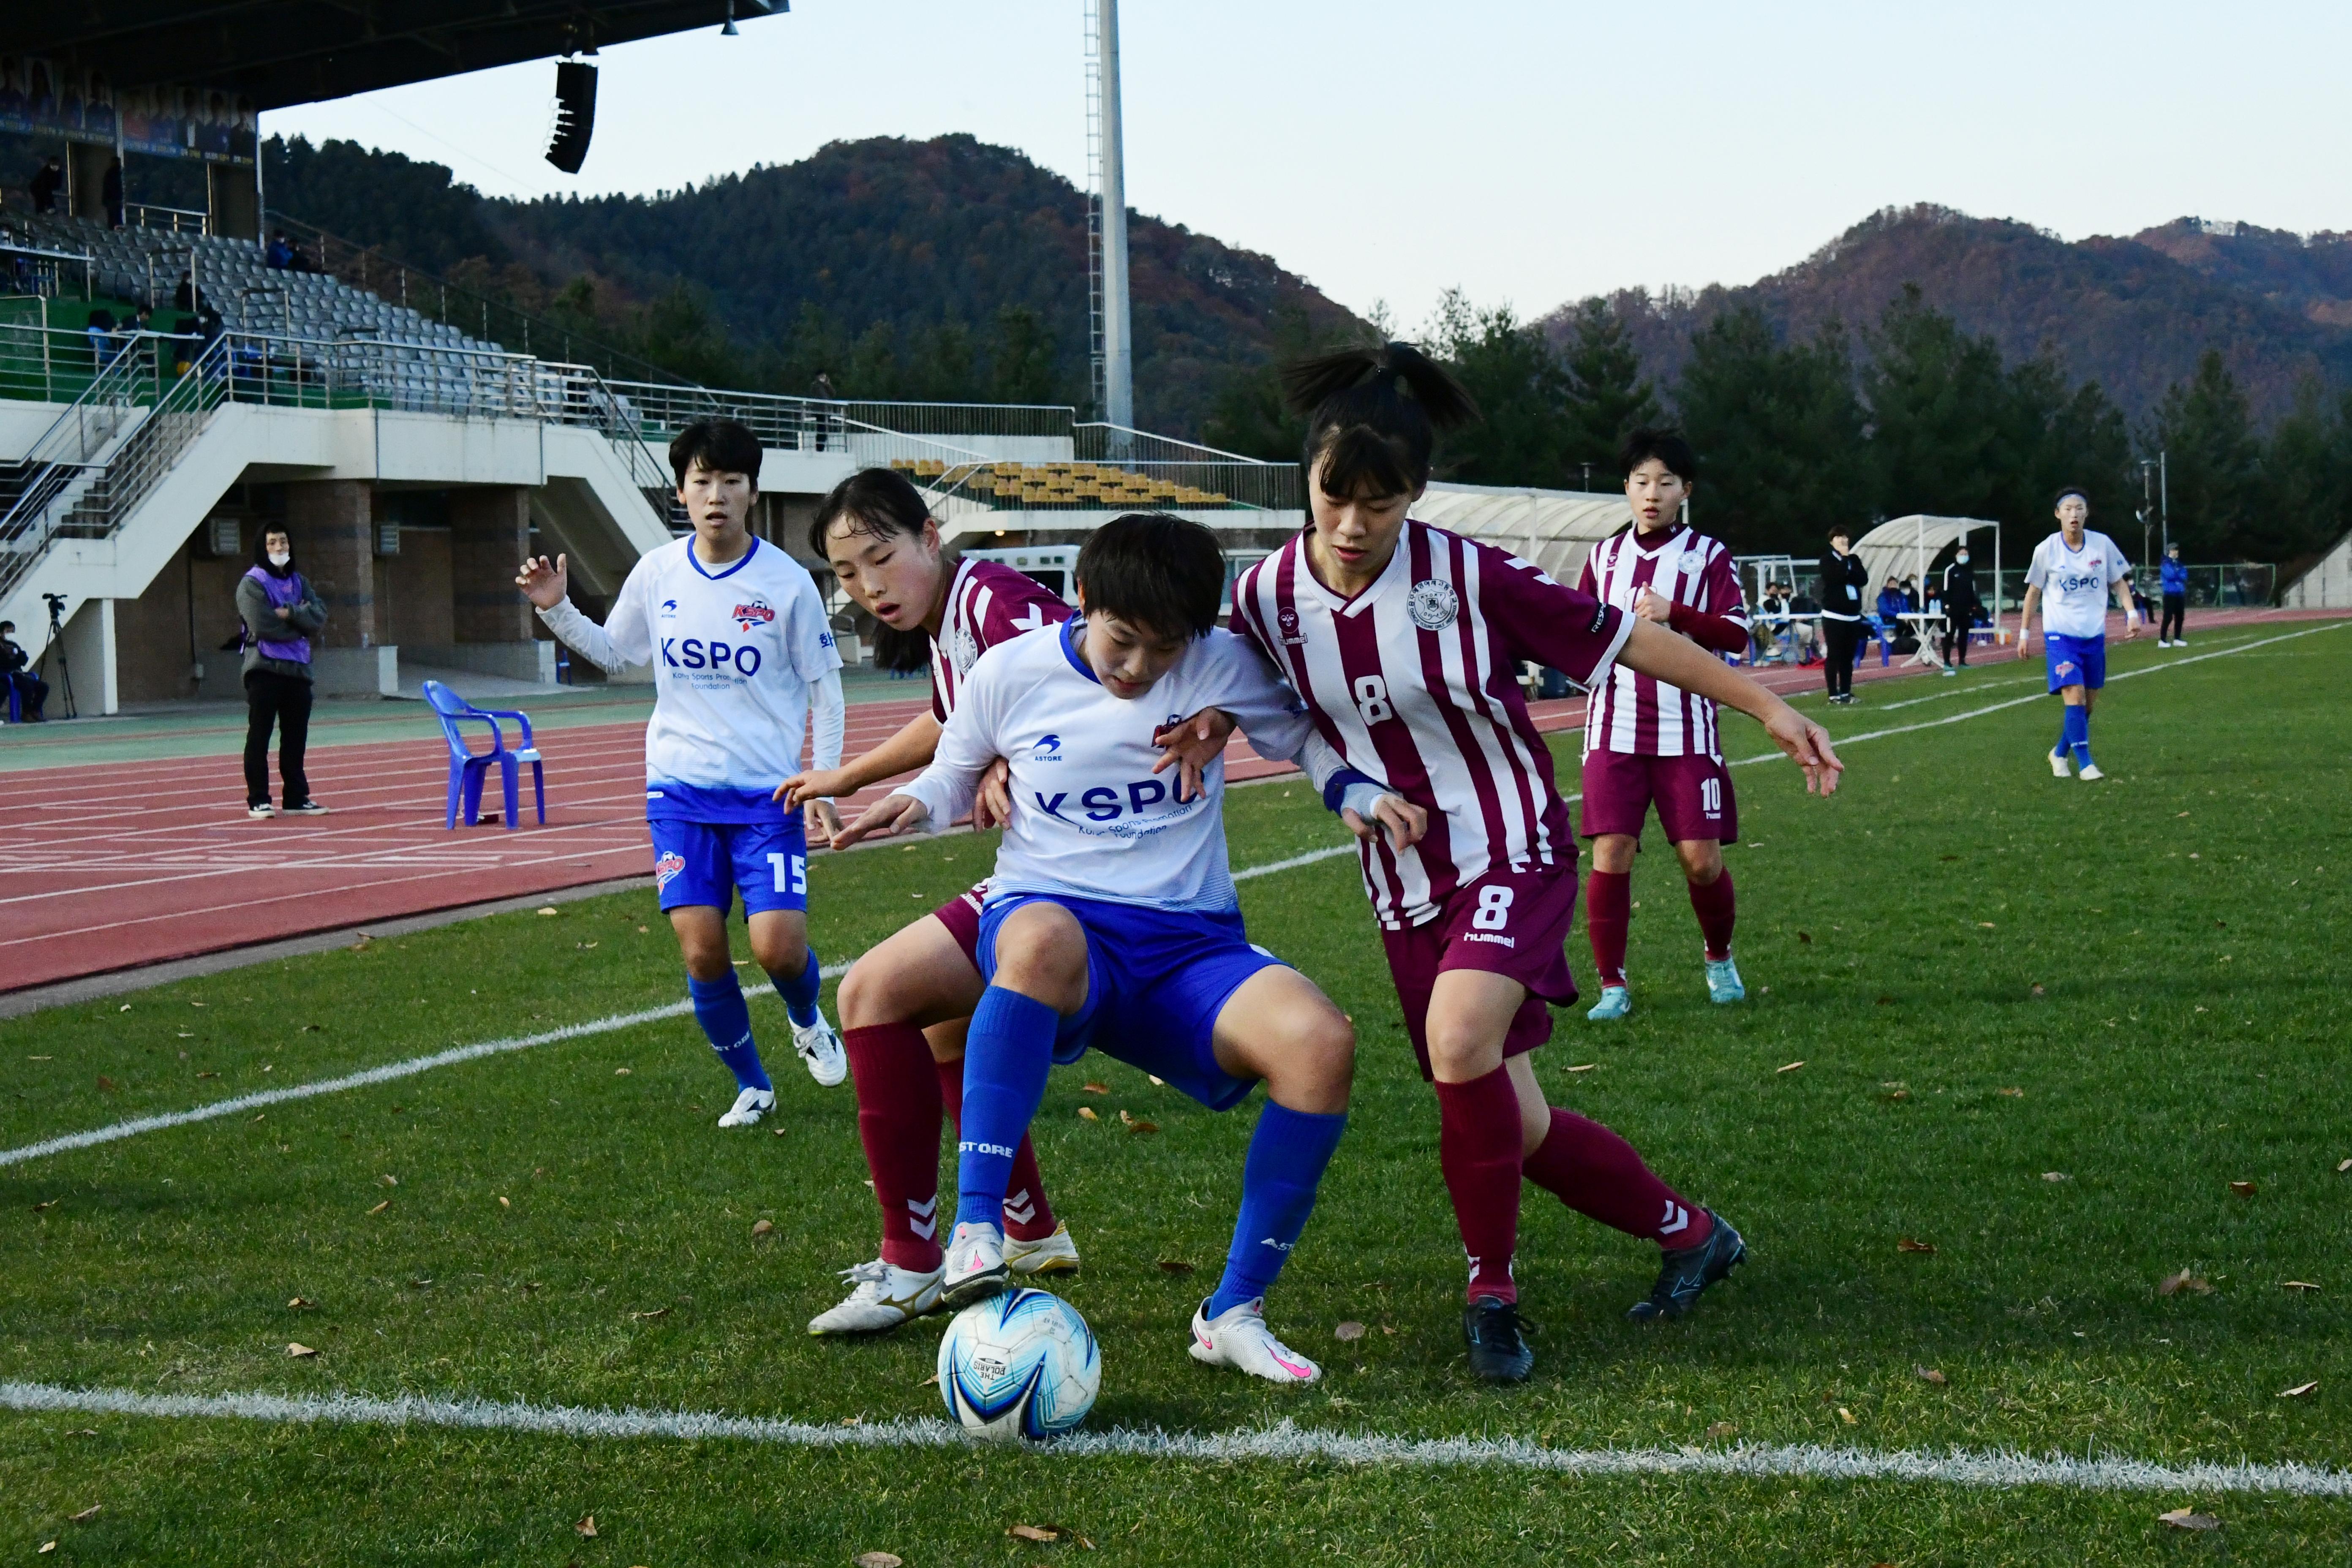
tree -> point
(1940, 409)
(1248, 415)
(1522, 391)
(1606, 396)
(2308, 496)
(1778, 434)
(1022, 360)
(2214, 462)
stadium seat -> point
(468, 769)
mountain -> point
(891, 264)
(2134, 314)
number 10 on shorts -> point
(792, 872)
(1710, 797)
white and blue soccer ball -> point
(1020, 1364)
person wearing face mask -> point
(280, 611)
(1959, 609)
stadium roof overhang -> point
(1554, 529)
(283, 52)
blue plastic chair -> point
(468, 769)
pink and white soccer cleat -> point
(1240, 1338)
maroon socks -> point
(1027, 1216)
(1712, 903)
(1608, 910)
(1598, 1174)
(899, 1122)
(1478, 1149)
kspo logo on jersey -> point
(1433, 605)
(756, 612)
(2092, 577)
(694, 653)
(1109, 803)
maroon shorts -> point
(1507, 922)
(960, 915)
(1692, 794)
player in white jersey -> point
(905, 1003)
(1404, 640)
(1111, 920)
(2074, 571)
(742, 659)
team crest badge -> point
(966, 651)
(758, 613)
(668, 868)
(1433, 605)
(1287, 621)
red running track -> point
(123, 864)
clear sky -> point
(1527, 153)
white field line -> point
(628, 1020)
(1285, 1442)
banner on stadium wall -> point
(163, 121)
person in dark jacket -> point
(1960, 597)
(280, 610)
(2174, 574)
(1844, 579)
(15, 669)
(48, 183)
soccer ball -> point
(1021, 1364)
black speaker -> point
(575, 114)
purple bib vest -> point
(285, 593)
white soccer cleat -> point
(1239, 1338)
(1055, 1254)
(748, 1106)
(975, 1267)
(2090, 773)
(2058, 768)
(882, 1297)
(821, 1052)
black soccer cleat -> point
(1683, 1275)
(1498, 1349)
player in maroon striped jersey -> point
(1646, 741)
(905, 1004)
(1404, 640)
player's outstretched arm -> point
(1189, 745)
(912, 747)
(547, 586)
(886, 818)
(1676, 661)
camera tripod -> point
(56, 603)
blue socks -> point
(1287, 1156)
(2074, 738)
(800, 992)
(726, 1018)
(1007, 1054)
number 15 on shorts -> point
(792, 872)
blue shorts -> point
(705, 862)
(2076, 661)
(1156, 980)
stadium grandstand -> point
(171, 383)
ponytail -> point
(1373, 416)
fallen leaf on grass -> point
(2298, 1284)
(656, 1313)
(1349, 1330)
(877, 1560)
(47, 1204)
(586, 1528)
(1929, 1375)
(2182, 1518)
(2010, 1093)
(388, 1180)
(40, 1058)
(620, 1073)
(2173, 1284)
(1086, 1113)
(1135, 1126)
(930, 1382)
(86, 1515)
(1886, 1001)
(50, 1546)
(1588, 1067)
(381, 1206)
(298, 1351)
(2299, 1390)
(761, 1227)
(2039, 990)
(2243, 1189)
(1847, 1416)
(2346, 1165)
(1157, 1082)
(1174, 1266)
(208, 1075)
(1793, 1066)
(106, 1083)
(1898, 1094)
(1098, 1089)
(1723, 1429)
(1908, 1244)
(547, 909)
(2056, 1176)
(1033, 1533)
(1987, 925)
(1804, 936)
(506, 1202)
(301, 1303)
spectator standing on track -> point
(1843, 578)
(2175, 583)
(280, 610)
(1959, 609)
(15, 668)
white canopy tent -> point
(1904, 545)
(1554, 529)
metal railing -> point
(66, 457)
(38, 272)
(55, 364)
(138, 465)
(178, 220)
(814, 424)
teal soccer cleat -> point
(1615, 1003)
(1723, 982)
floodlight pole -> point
(1115, 383)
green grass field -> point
(1988, 974)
